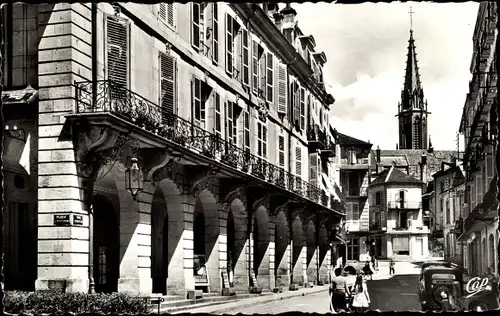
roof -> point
(348, 140)
(394, 175)
(399, 161)
(25, 95)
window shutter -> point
(229, 121)
(282, 85)
(281, 151)
(269, 77)
(302, 108)
(296, 105)
(167, 86)
(298, 160)
(117, 47)
(195, 25)
(255, 67)
(262, 73)
(162, 11)
(245, 58)
(247, 131)
(264, 141)
(215, 33)
(349, 212)
(229, 44)
(198, 105)
(166, 13)
(313, 169)
(218, 118)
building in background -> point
(445, 218)
(479, 127)
(354, 160)
(163, 139)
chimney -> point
(423, 169)
(378, 163)
(288, 23)
(278, 19)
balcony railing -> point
(133, 108)
(316, 137)
(404, 204)
(329, 150)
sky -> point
(366, 46)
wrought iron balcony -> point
(114, 99)
(329, 150)
(316, 137)
(404, 205)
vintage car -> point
(438, 284)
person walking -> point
(338, 291)
(391, 267)
(361, 300)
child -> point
(391, 267)
(361, 299)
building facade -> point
(449, 184)
(355, 164)
(396, 216)
(479, 127)
(153, 148)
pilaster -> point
(63, 251)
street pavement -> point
(387, 293)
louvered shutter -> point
(229, 121)
(298, 160)
(282, 91)
(296, 104)
(302, 108)
(281, 151)
(245, 71)
(195, 25)
(262, 74)
(162, 11)
(246, 141)
(313, 169)
(264, 141)
(215, 33)
(117, 47)
(269, 77)
(383, 219)
(255, 67)
(349, 212)
(167, 86)
(170, 14)
(229, 45)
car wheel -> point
(478, 306)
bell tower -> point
(412, 109)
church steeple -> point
(412, 110)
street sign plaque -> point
(61, 220)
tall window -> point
(269, 77)
(403, 220)
(117, 50)
(166, 13)
(231, 122)
(448, 215)
(232, 28)
(302, 108)
(245, 58)
(197, 103)
(255, 67)
(196, 25)
(215, 33)
(378, 198)
(217, 115)
(261, 139)
(401, 199)
(246, 136)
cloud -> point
(366, 46)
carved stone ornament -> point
(260, 201)
(202, 180)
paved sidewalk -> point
(220, 308)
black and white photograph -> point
(249, 157)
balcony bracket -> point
(281, 208)
(231, 189)
(201, 179)
(261, 201)
(298, 211)
(162, 166)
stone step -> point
(190, 304)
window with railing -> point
(261, 139)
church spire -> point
(412, 110)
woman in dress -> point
(361, 300)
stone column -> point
(63, 52)
(324, 266)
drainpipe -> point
(94, 101)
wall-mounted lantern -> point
(133, 178)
